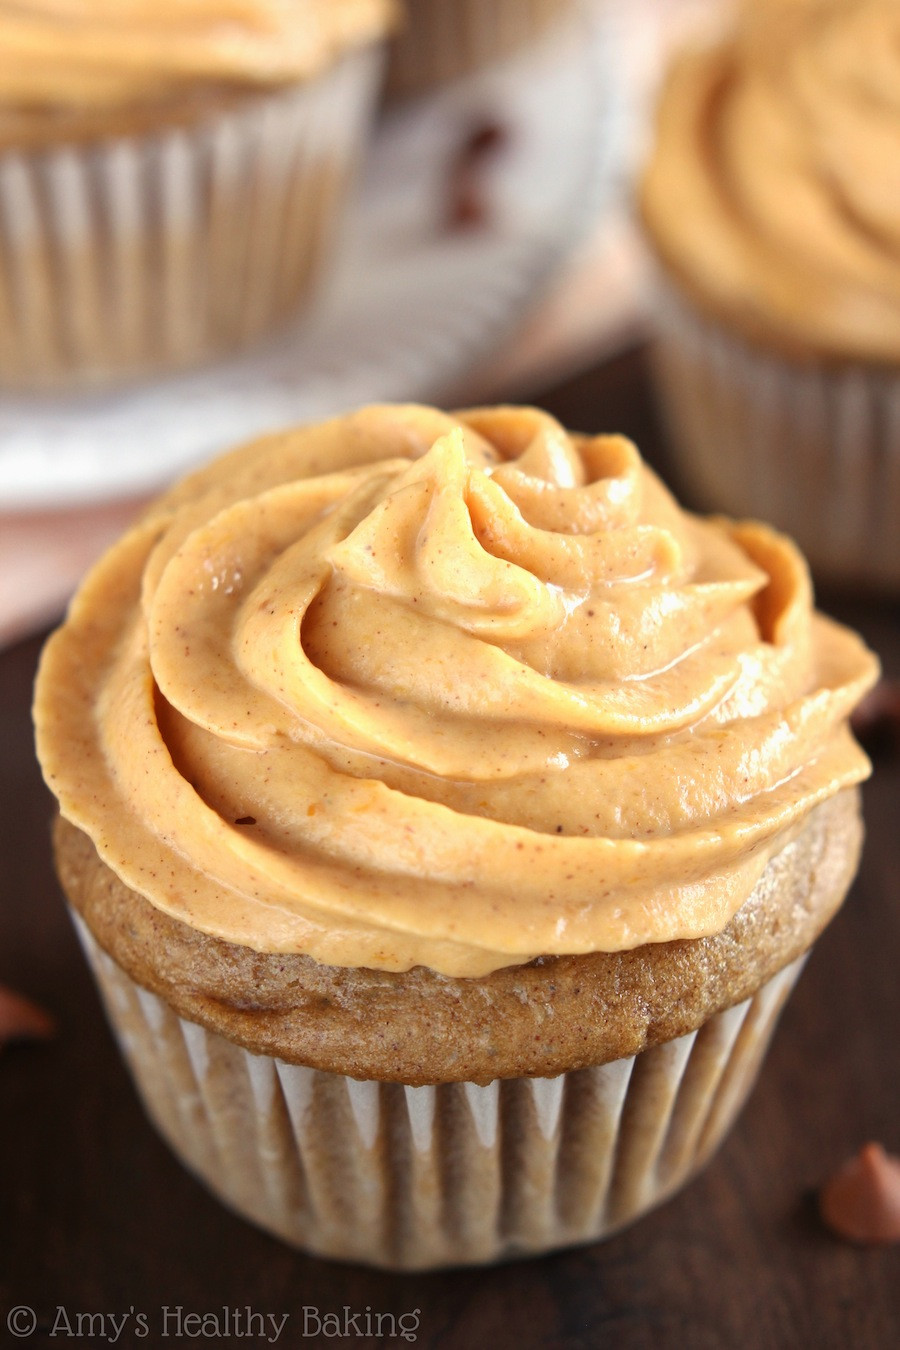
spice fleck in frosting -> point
(411, 688)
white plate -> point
(411, 305)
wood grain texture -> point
(96, 1216)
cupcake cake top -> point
(89, 57)
(773, 192)
(411, 688)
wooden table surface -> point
(97, 1217)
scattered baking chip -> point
(22, 1020)
(468, 205)
(876, 721)
(861, 1202)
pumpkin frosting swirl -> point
(773, 192)
(411, 688)
(82, 54)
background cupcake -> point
(441, 40)
(771, 201)
(170, 174)
(550, 788)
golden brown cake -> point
(446, 815)
(170, 174)
(769, 203)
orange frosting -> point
(453, 690)
(80, 54)
(774, 188)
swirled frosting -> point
(409, 688)
(774, 188)
(88, 54)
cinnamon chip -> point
(467, 195)
(861, 1202)
(22, 1020)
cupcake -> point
(441, 40)
(170, 174)
(770, 201)
(446, 816)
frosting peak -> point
(460, 691)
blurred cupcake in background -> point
(772, 202)
(442, 40)
(170, 174)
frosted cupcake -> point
(446, 815)
(170, 174)
(441, 40)
(771, 200)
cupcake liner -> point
(812, 448)
(444, 39)
(145, 253)
(417, 1177)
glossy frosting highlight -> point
(773, 192)
(410, 688)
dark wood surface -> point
(96, 1216)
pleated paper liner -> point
(415, 1177)
(813, 449)
(146, 253)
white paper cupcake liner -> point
(444, 39)
(153, 252)
(813, 449)
(417, 1177)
